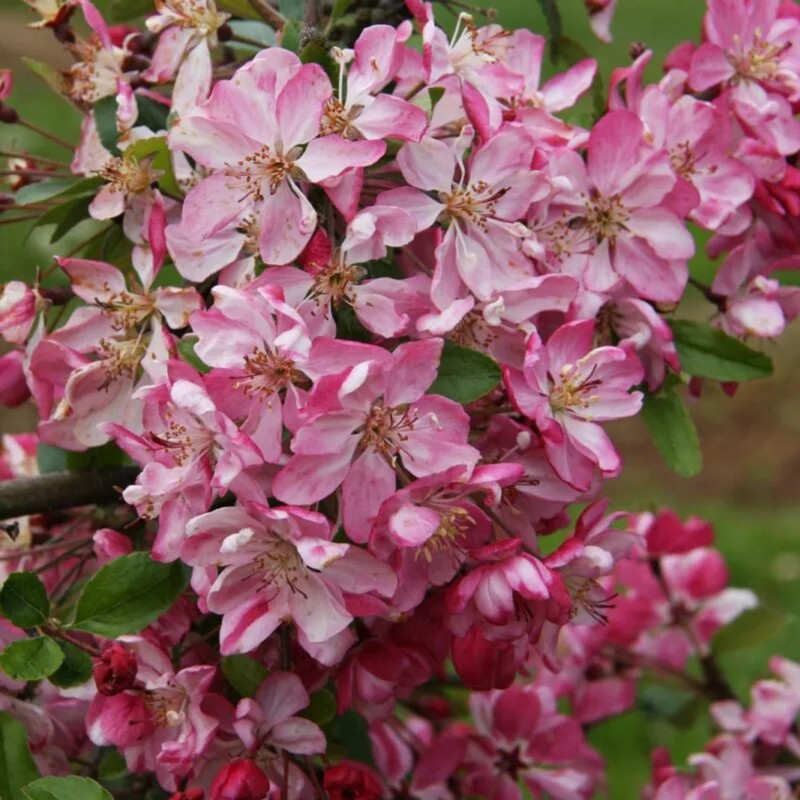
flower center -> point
(683, 160)
(572, 390)
(259, 168)
(281, 564)
(605, 217)
(183, 441)
(474, 203)
(335, 281)
(336, 119)
(166, 706)
(128, 176)
(453, 525)
(267, 373)
(197, 14)
(121, 357)
(126, 310)
(386, 429)
(761, 62)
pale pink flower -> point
(279, 564)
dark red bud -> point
(115, 670)
(188, 794)
(240, 779)
(8, 115)
(349, 780)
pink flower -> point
(250, 135)
(610, 224)
(482, 201)
(17, 311)
(269, 718)
(567, 387)
(364, 423)
(278, 564)
(240, 779)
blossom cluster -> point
(369, 313)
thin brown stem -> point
(311, 14)
(23, 218)
(33, 173)
(91, 240)
(32, 157)
(270, 15)
(47, 135)
(57, 633)
(62, 557)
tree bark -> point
(59, 490)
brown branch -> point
(270, 15)
(58, 490)
(311, 14)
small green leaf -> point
(71, 788)
(76, 668)
(155, 147)
(464, 374)
(152, 114)
(552, 16)
(244, 673)
(339, 10)
(50, 75)
(187, 351)
(252, 29)
(54, 459)
(57, 187)
(290, 36)
(751, 628)
(128, 594)
(17, 767)
(31, 659)
(23, 600)
(65, 216)
(239, 8)
(707, 352)
(112, 766)
(673, 432)
(105, 118)
(315, 53)
(350, 731)
(321, 709)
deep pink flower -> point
(567, 387)
(240, 779)
(115, 670)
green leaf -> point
(239, 8)
(244, 673)
(65, 216)
(128, 594)
(57, 187)
(155, 147)
(50, 75)
(187, 351)
(23, 600)
(315, 53)
(751, 628)
(321, 709)
(552, 16)
(252, 29)
(707, 352)
(464, 374)
(152, 114)
(124, 10)
(17, 767)
(339, 10)
(31, 659)
(71, 788)
(105, 118)
(350, 731)
(290, 36)
(75, 669)
(673, 432)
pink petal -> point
(330, 156)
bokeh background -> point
(751, 442)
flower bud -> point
(240, 779)
(188, 794)
(115, 670)
(349, 780)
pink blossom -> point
(279, 564)
(567, 387)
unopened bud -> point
(8, 114)
(349, 780)
(240, 779)
(115, 670)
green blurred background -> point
(750, 442)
